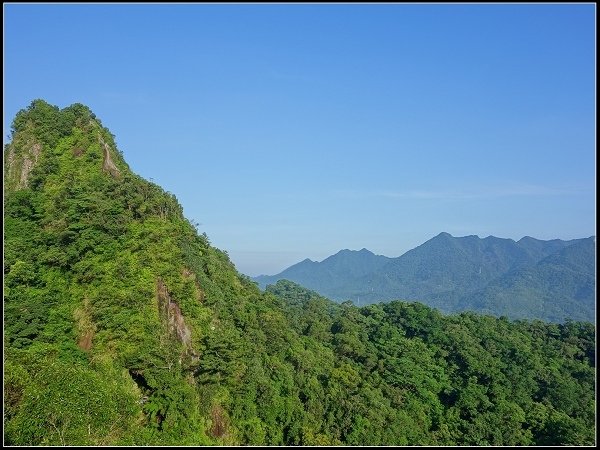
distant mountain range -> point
(530, 278)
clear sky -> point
(294, 131)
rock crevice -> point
(108, 165)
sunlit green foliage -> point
(124, 326)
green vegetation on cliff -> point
(124, 326)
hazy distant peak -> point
(345, 263)
(456, 273)
(348, 251)
(528, 239)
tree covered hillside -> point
(335, 276)
(528, 279)
(124, 326)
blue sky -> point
(294, 131)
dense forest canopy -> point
(124, 326)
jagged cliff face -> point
(108, 165)
(20, 157)
(174, 322)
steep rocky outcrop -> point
(21, 157)
(108, 165)
(172, 318)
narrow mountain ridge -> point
(331, 274)
(466, 273)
